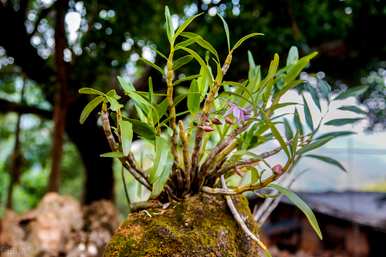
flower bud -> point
(228, 120)
(216, 121)
(277, 169)
(206, 128)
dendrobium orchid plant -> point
(214, 146)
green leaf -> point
(314, 145)
(226, 29)
(325, 89)
(355, 91)
(143, 129)
(298, 123)
(298, 202)
(293, 55)
(126, 129)
(187, 78)
(203, 82)
(169, 25)
(139, 100)
(277, 136)
(201, 42)
(308, 116)
(250, 60)
(193, 100)
(328, 160)
(155, 66)
(161, 156)
(161, 169)
(336, 134)
(197, 57)
(114, 104)
(151, 90)
(186, 24)
(294, 143)
(241, 41)
(112, 155)
(90, 91)
(127, 86)
(295, 69)
(288, 131)
(352, 108)
(90, 107)
(273, 66)
(182, 61)
(342, 122)
(314, 95)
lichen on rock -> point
(200, 225)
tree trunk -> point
(60, 104)
(16, 159)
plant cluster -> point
(213, 146)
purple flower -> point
(239, 113)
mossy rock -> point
(200, 226)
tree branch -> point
(8, 106)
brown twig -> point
(223, 144)
(134, 171)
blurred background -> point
(49, 49)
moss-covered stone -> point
(200, 226)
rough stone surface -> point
(59, 226)
(200, 226)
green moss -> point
(199, 226)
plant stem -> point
(171, 106)
(205, 114)
(114, 147)
(185, 152)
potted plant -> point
(187, 191)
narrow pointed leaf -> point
(325, 89)
(298, 123)
(314, 145)
(336, 134)
(169, 25)
(186, 23)
(90, 107)
(352, 108)
(314, 95)
(298, 202)
(193, 100)
(182, 61)
(342, 122)
(126, 136)
(243, 39)
(112, 155)
(288, 130)
(293, 55)
(356, 91)
(201, 42)
(278, 137)
(197, 57)
(187, 78)
(226, 29)
(90, 91)
(308, 116)
(155, 66)
(328, 160)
